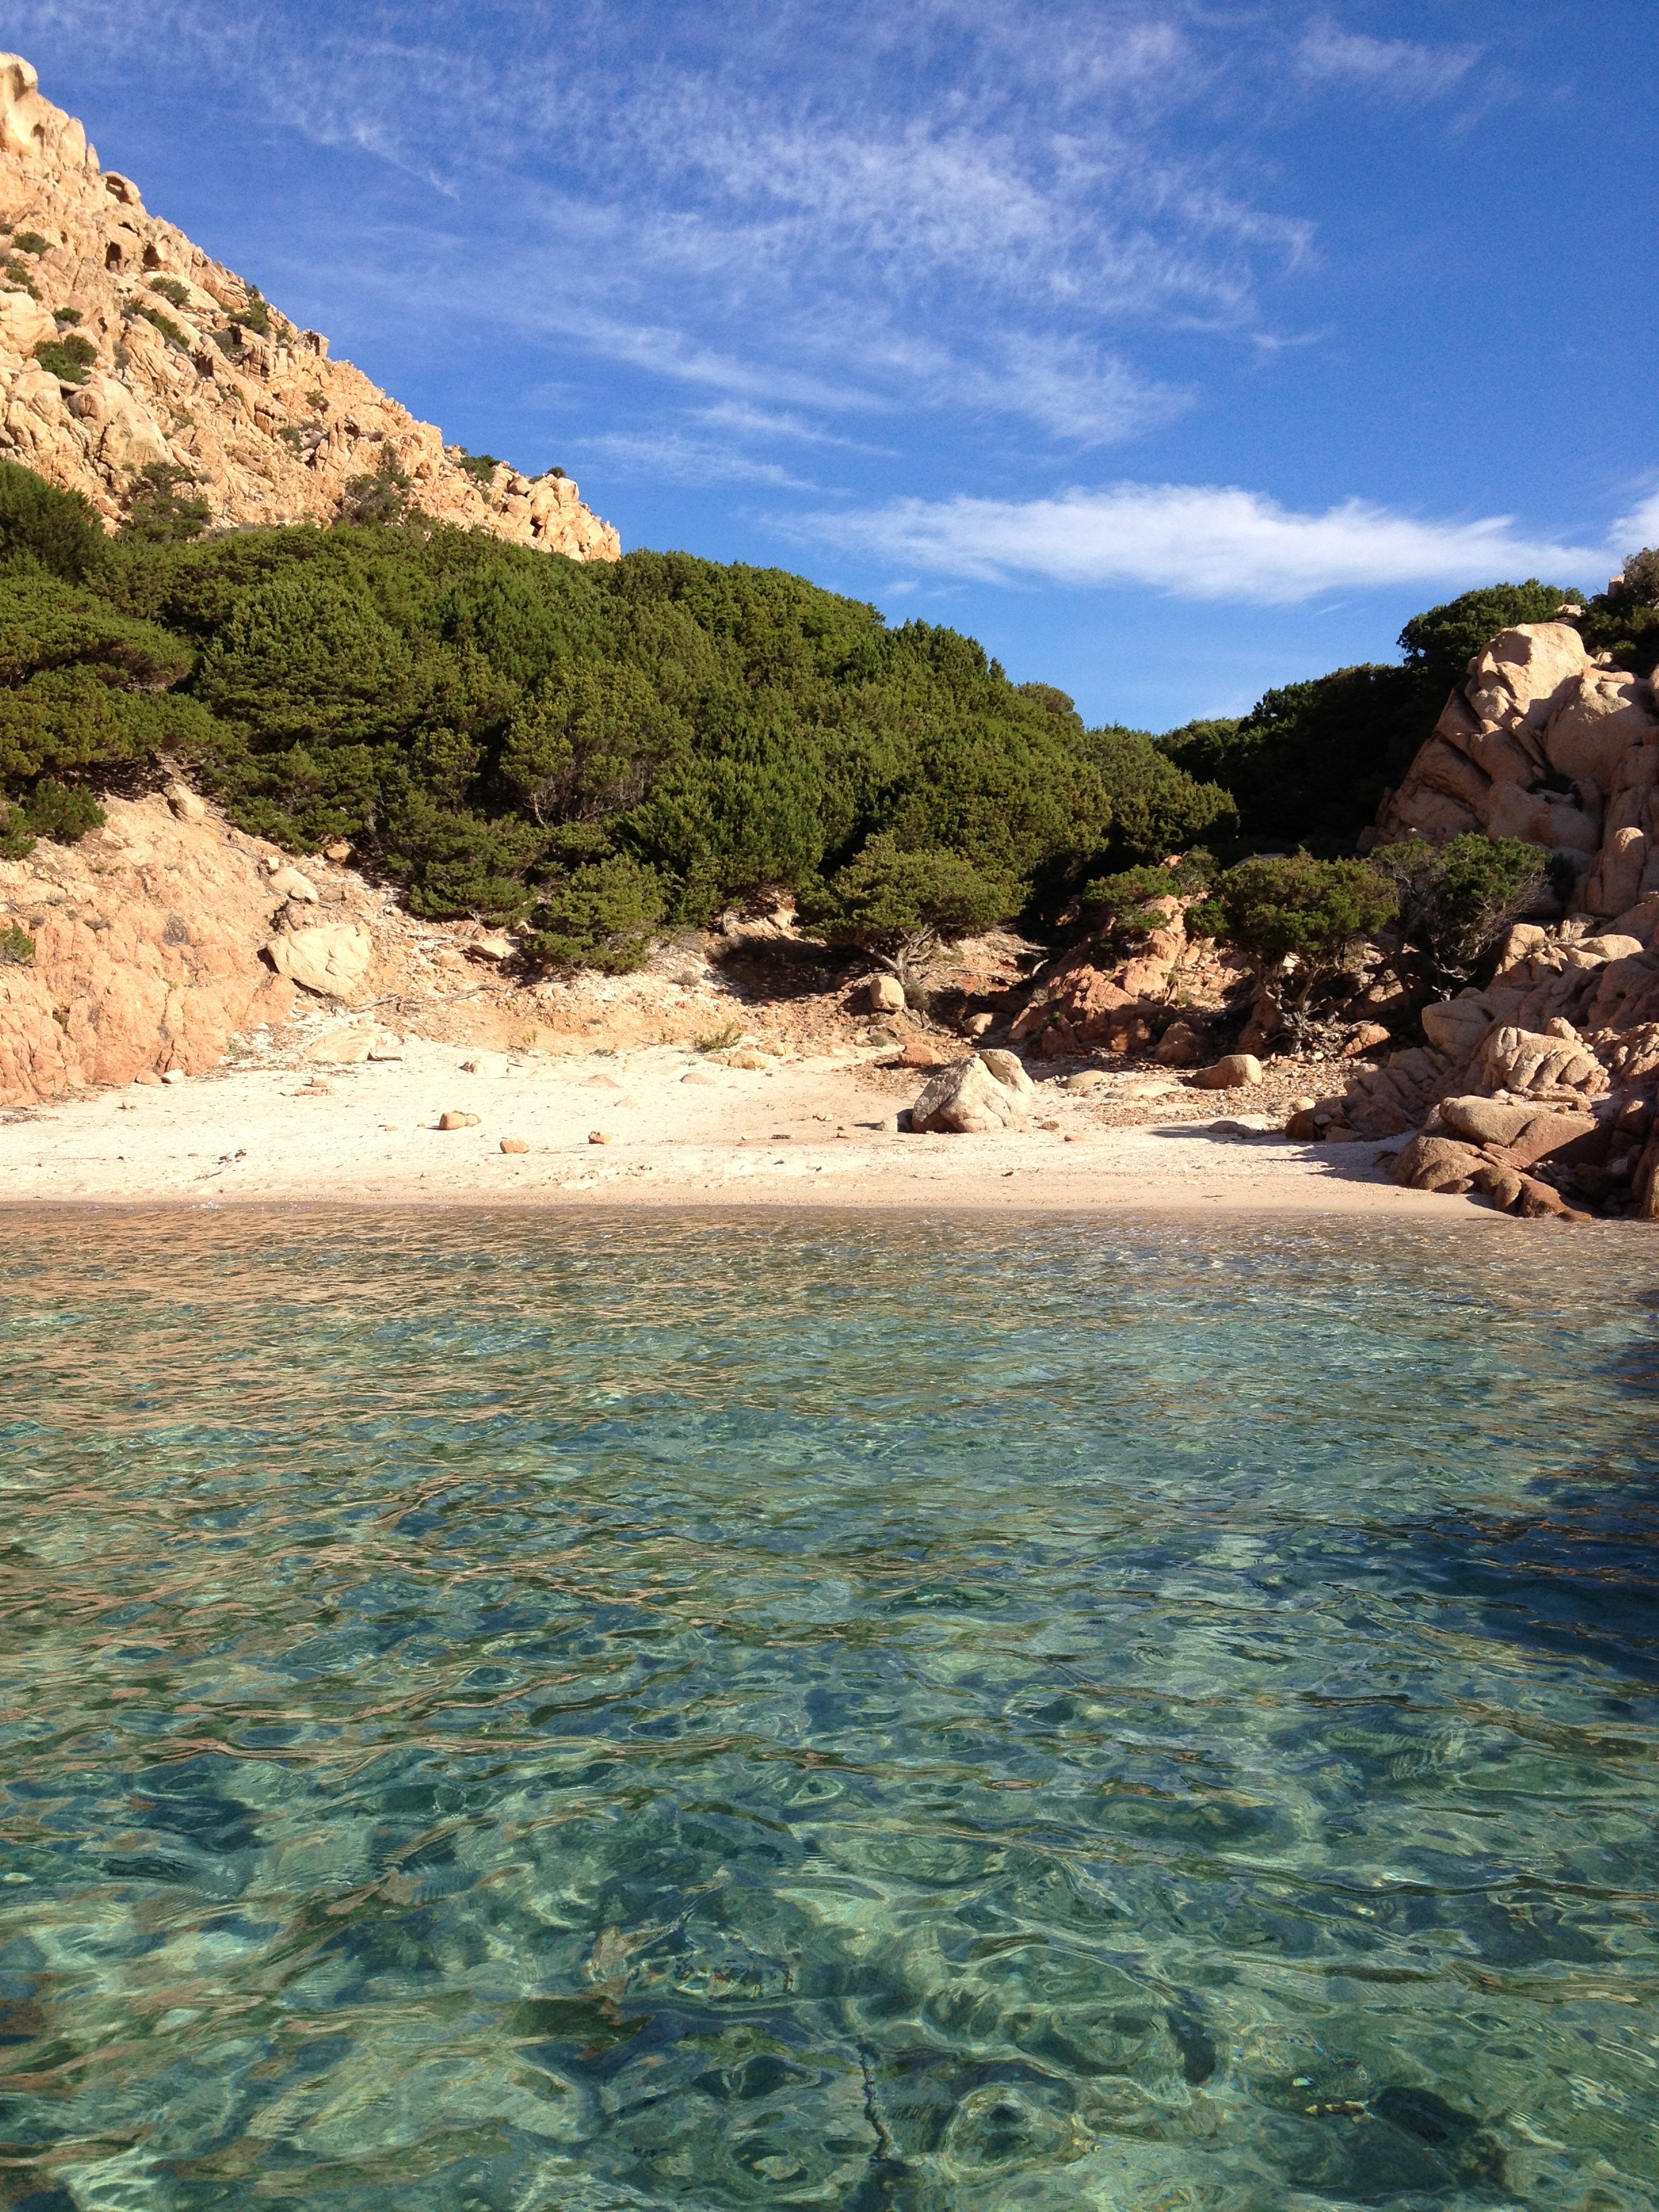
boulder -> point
(290, 884)
(1644, 1183)
(458, 1120)
(1522, 1134)
(341, 1048)
(1439, 1164)
(1641, 921)
(494, 1064)
(182, 802)
(1514, 1059)
(514, 1145)
(332, 961)
(883, 994)
(1180, 1045)
(1594, 725)
(1370, 1036)
(1235, 1073)
(1008, 1070)
(919, 1052)
(967, 1100)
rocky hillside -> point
(124, 348)
(1545, 743)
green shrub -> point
(1297, 921)
(1438, 645)
(1118, 907)
(172, 290)
(168, 329)
(41, 527)
(18, 278)
(16, 947)
(160, 511)
(62, 812)
(65, 317)
(481, 467)
(1624, 620)
(1456, 901)
(68, 358)
(1156, 808)
(30, 241)
(376, 500)
(899, 905)
(255, 316)
(600, 917)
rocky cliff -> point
(124, 347)
(1543, 742)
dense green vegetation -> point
(602, 751)
(599, 749)
(1309, 762)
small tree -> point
(1456, 901)
(381, 498)
(1121, 907)
(160, 511)
(600, 917)
(898, 906)
(1297, 921)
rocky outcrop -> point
(1124, 1005)
(186, 367)
(1544, 743)
(146, 943)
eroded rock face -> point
(272, 430)
(1535, 714)
(147, 939)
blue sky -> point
(1173, 350)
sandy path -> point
(804, 1133)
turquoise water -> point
(719, 1713)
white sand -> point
(731, 1137)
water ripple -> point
(500, 1714)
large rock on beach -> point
(332, 960)
(967, 1099)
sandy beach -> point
(677, 1129)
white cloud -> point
(1197, 541)
(668, 457)
(1329, 55)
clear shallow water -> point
(604, 1715)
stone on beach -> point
(969, 1099)
(332, 960)
(1235, 1073)
(514, 1145)
(458, 1120)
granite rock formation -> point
(1543, 742)
(124, 347)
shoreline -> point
(681, 1133)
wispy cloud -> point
(668, 457)
(964, 210)
(1395, 67)
(1198, 542)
